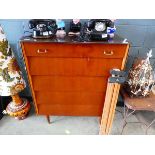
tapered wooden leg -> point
(48, 119)
(100, 119)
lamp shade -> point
(11, 81)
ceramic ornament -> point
(60, 28)
(11, 80)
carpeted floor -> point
(37, 125)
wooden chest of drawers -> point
(70, 78)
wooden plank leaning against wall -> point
(111, 98)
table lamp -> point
(11, 81)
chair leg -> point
(149, 126)
(127, 114)
(124, 111)
(124, 119)
(48, 119)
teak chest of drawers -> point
(70, 78)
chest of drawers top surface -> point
(71, 40)
(68, 77)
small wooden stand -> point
(111, 97)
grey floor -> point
(37, 125)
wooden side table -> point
(137, 104)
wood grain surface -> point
(71, 79)
(72, 66)
(74, 50)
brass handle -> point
(108, 52)
(42, 50)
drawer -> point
(72, 66)
(70, 98)
(70, 110)
(75, 50)
(64, 83)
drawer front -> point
(69, 98)
(70, 110)
(62, 83)
(72, 66)
(75, 50)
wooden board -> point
(70, 110)
(72, 66)
(66, 98)
(68, 83)
(78, 50)
(110, 103)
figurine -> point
(60, 28)
(75, 27)
(111, 30)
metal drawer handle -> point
(42, 51)
(108, 52)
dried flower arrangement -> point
(140, 78)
